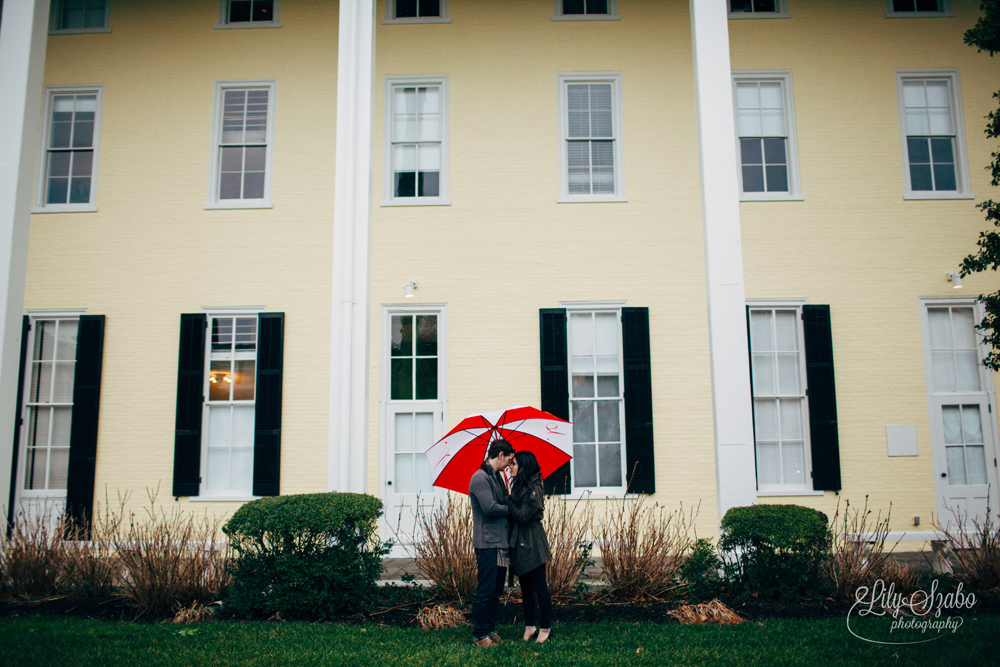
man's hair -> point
(498, 447)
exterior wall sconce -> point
(412, 285)
(956, 280)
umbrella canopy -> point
(456, 456)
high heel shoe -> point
(542, 638)
(530, 632)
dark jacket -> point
(529, 547)
(488, 496)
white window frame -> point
(806, 488)
(55, 15)
(600, 307)
(392, 82)
(214, 176)
(780, 12)
(210, 312)
(612, 15)
(962, 182)
(791, 146)
(390, 7)
(41, 177)
(943, 11)
(615, 79)
(225, 24)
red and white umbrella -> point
(456, 456)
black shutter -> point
(83, 428)
(555, 382)
(190, 402)
(822, 398)
(753, 407)
(267, 415)
(14, 481)
(638, 394)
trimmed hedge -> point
(306, 555)
(775, 550)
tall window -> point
(591, 146)
(765, 129)
(585, 9)
(413, 358)
(48, 403)
(242, 146)
(68, 167)
(249, 14)
(416, 155)
(933, 140)
(230, 383)
(596, 399)
(779, 398)
(71, 16)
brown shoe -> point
(495, 638)
(485, 642)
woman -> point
(529, 547)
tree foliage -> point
(985, 36)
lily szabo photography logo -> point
(921, 616)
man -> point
(488, 495)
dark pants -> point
(533, 585)
(487, 600)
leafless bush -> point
(643, 548)
(858, 553)
(977, 549)
(170, 559)
(92, 564)
(443, 550)
(566, 526)
(33, 557)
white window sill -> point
(66, 208)
(78, 31)
(764, 493)
(239, 203)
(248, 24)
(221, 499)
(760, 15)
(939, 195)
(770, 196)
(417, 201)
(590, 200)
(418, 19)
(919, 15)
(587, 17)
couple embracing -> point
(507, 532)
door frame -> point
(939, 462)
(384, 460)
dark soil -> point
(393, 612)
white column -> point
(731, 399)
(352, 209)
(23, 31)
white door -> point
(413, 413)
(963, 424)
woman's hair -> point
(527, 466)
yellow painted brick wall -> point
(854, 242)
(152, 251)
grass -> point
(79, 642)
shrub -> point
(700, 571)
(774, 550)
(33, 556)
(93, 567)
(171, 560)
(976, 548)
(643, 548)
(306, 555)
(566, 528)
(443, 549)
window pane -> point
(58, 191)
(968, 370)
(920, 177)
(768, 470)
(944, 177)
(241, 475)
(583, 421)
(753, 179)
(36, 468)
(428, 184)
(41, 382)
(243, 426)
(793, 463)
(429, 157)
(239, 11)
(427, 379)
(573, 7)
(217, 469)
(774, 151)
(952, 421)
(975, 463)
(422, 474)
(245, 333)
(426, 335)
(403, 432)
(406, 9)
(244, 380)
(956, 465)
(66, 344)
(59, 467)
(220, 421)
(584, 465)
(760, 331)
(430, 8)
(791, 419)
(606, 333)
(62, 389)
(401, 382)
(608, 421)
(972, 425)
(765, 414)
(219, 380)
(581, 333)
(229, 186)
(405, 184)
(964, 327)
(402, 335)
(607, 385)
(763, 375)
(62, 422)
(777, 178)
(232, 159)
(939, 323)
(253, 185)
(423, 431)
(263, 10)
(222, 334)
(943, 364)
(583, 386)
(611, 464)
(788, 373)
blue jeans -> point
(487, 600)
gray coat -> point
(529, 546)
(489, 516)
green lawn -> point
(70, 641)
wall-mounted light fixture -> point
(408, 289)
(956, 279)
